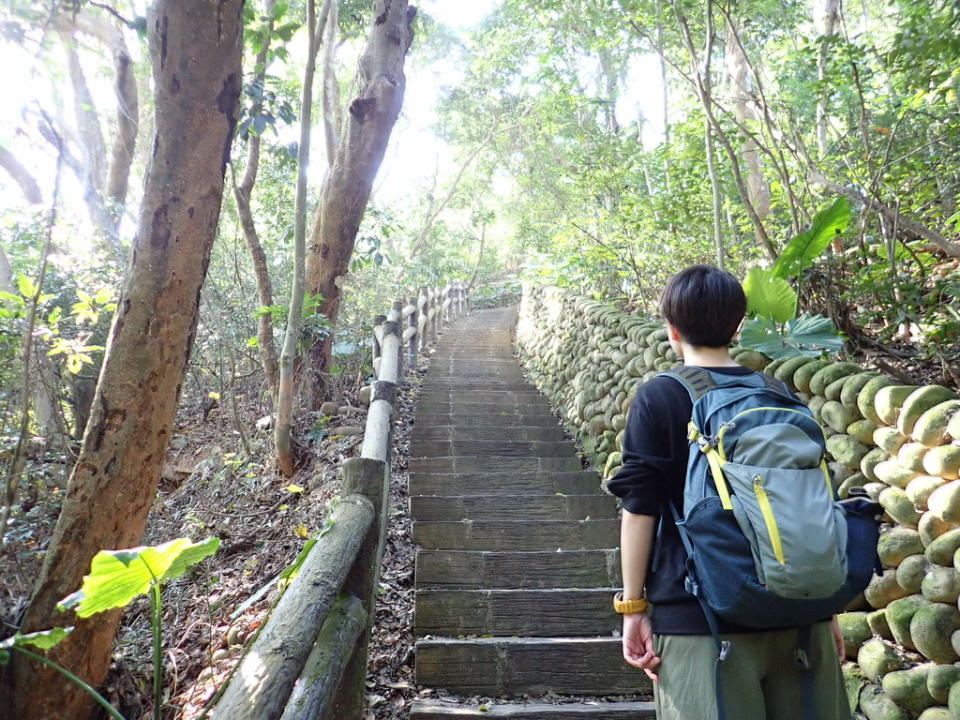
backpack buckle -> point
(725, 646)
(800, 659)
(691, 586)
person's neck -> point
(707, 356)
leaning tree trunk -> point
(195, 49)
(363, 142)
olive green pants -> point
(759, 677)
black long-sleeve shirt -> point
(655, 450)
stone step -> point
(516, 666)
(485, 404)
(594, 710)
(493, 448)
(512, 507)
(493, 464)
(479, 482)
(466, 420)
(462, 385)
(557, 612)
(507, 535)
(464, 569)
(422, 433)
(429, 393)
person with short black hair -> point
(703, 308)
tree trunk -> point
(23, 178)
(829, 14)
(366, 131)
(242, 193)
(196, 55)
(744, 110)
(282, 427)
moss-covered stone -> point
(846, 450)
(921, 487)
(944, 502)
(789, 367)
(877, 620)
(855, 481)
(900, 613)
(943, 461)
(918, 402)
(940, 680)
(910, 455)
(884, 589)
(911, 571)
(828, 374)
(936, 713)
(855, 631)
(892, 473)
(805, 373)
(941, 584)
(867, 396)
(836, 415)
(908, 688)
(889, 401)
(931, 527)
(878, 657)
(889, 439)
(897, 544)
(931, 427)
(852, 385)
(870, 461)
(899, 506)
(941, 550)
(875, 705)
(931, 628)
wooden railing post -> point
(378, 322)
(396, 316)
(413, 327)
(368, 477)
(435, 314)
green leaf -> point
(801, 252)
(26, 286)
(769, 296)
(291, 571)
(810, 335)
(118, 576)
(42, 639)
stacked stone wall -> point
(899, 443)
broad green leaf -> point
(291, 571)
(11, 298)
(769, 296)
(118, 576)
(103, 296)
(814, 332)
(27, 287)
(801, 252)
(810, 335)
(42, 639)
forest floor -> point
(211, 485)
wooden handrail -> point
(310, 658)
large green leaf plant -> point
(116, 578)
(773, 326)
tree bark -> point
(22, 176)
(367, 127)
(829, 14)
(195, 54)
(291, 339)
(242, 194)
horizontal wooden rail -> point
(310, 658)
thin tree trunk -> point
(23, 178)
(19, 461)
(715, 193)
(291, 338)
(331, 88)
(197, 76)
(242, 193)
(125, 141)
(829, 14)
(367, 127)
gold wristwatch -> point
(629, 607)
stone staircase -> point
(516, 560)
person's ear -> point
(672, 333)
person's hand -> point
(838, 639)
(638, 647)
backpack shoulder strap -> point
(697, 381)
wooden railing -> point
(310, 658)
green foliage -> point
(118, 576)
(769, 296)
(802, 250)
(811, 335)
